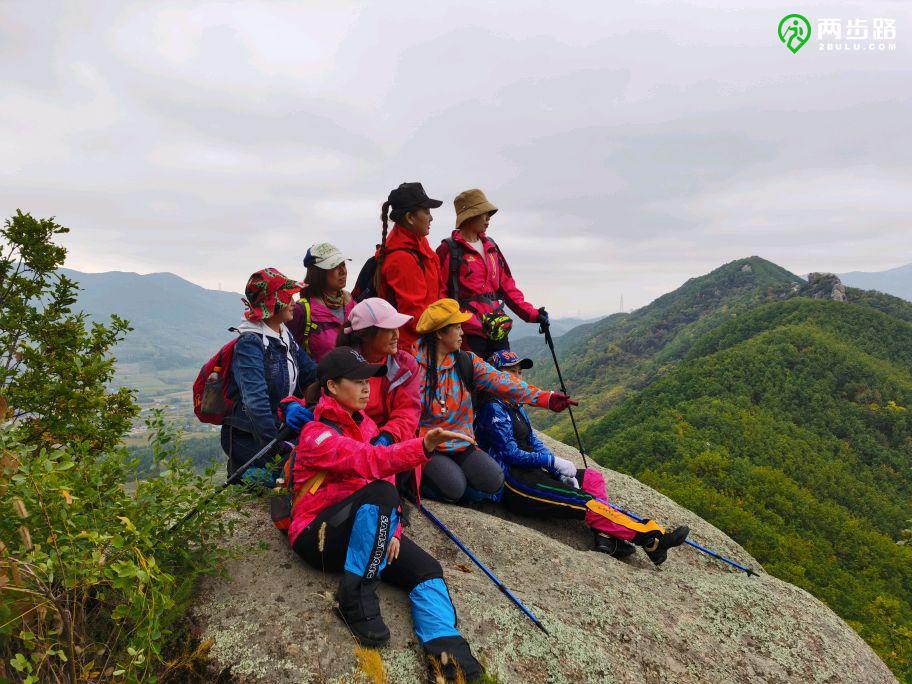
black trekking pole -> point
(284, 433)
(545, 329)
(491, 576)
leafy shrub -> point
(93, 579)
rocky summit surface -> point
(693, 619)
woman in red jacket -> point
(408, 269)
(372, 329)
(346, 515)
(474, 272)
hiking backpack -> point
(496, 324)
(211, 402)
(282, 503)
(369, 284)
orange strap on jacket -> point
(625, 520)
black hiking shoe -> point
(448, 657)
(669, 540)
(371, 632)
(614, 547)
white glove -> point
(564, 468)
(570, 482)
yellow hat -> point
(439, 315)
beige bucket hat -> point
(471, 203)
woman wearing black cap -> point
(408, 269)
(346, 515)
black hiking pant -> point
(469, 475)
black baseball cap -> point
(507, 359)
(345, 362)
(411, 195)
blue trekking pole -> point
(500, 585)
(698, 547)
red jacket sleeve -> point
(402, 274)
(405, 407)
(511, 294)
(320, 447)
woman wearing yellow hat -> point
(474, 272)
(459, 471)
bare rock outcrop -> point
(691, 620)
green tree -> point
(54, 369)
(92, 581)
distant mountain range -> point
(177, 325)
(895, 281)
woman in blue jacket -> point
(539, 484)
(268, 365)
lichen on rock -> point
(691, 620)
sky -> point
(628, 146)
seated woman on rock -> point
(458, 470)
(346, 514)
(372, 329)
(319, 316)
(539, 484)
(267, 365)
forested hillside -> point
(789, 428)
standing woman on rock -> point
(318, 319)
(458, 471)
(474, 272)
(372, 329)
(408, 269)
(346, 515)
(267, 366)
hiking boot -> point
(657, 549)
(370, 632)
(449, 657)
(614, 547)
(359, 608)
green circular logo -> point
(794, 31)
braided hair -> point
(384, 220)
(428, 344)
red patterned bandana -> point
(268, 291)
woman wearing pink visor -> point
(395, 405)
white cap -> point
(325, 256)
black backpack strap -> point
(415, 252)
(329, 423)
(455, 261)
(466, 370)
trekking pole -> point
(284, 433)
(491, 576)
(545, 329)
(698, 547)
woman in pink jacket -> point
(474, 272)
(327, 300)
(372, 328)
(345, 515)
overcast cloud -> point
(628, 147)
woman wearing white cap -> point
(395, 404)
(318, 318)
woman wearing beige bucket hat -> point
(474, 272)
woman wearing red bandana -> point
(268, 365)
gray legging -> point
(448, 475)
